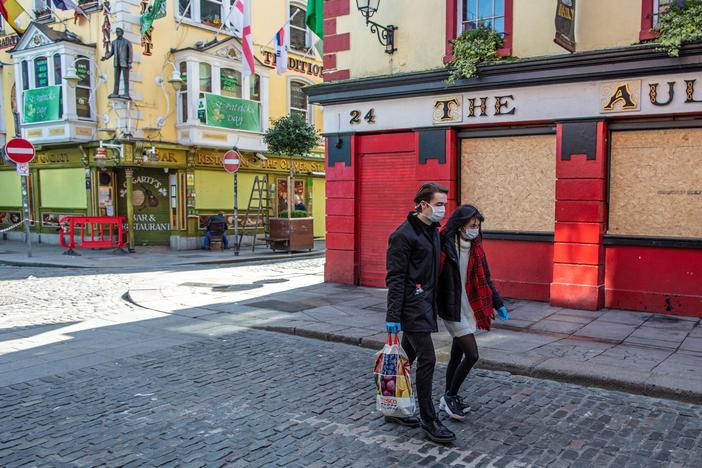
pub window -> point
(205, 78)
(211, 12)
(298, 100)
(25, 75)
(255, 88)
(487, 14)
(299, 36)
(183, 92)
(57, 69)
(230, 82)
(41, 72)
(83, 88)
(659, 7)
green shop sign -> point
(226, 112)
(42, 104)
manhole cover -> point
(281, 306)
(271, 281)
(9, 300)
(236, 287)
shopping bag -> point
(393, 380)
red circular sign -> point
(19, 150)
(231, 161)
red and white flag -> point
(282, 42)
(246, 39)
(235, 19)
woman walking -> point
(466, 299)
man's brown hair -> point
(426, 192)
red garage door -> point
(388, 184)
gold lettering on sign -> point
(620, 97)
(35, 133)
(57, 131)
(83, 131)
(448, 110)
(52, 158)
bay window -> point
(83, 88)
(230, 82)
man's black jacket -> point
(412, 275)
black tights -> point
(464, 354)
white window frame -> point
(195, 18)
(309, 115)
(308, 34)
(459, 15)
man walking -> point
(412, 275)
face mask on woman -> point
(469, 234)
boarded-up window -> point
(511, 180)
(656, 183)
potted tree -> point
(291, 135)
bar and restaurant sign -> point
(213, 158)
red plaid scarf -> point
(477, 288)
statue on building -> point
(121, 49)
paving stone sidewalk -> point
(47, 255)
(645, 353)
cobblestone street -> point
(241, 397)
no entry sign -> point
(231, 161)
(19, 150)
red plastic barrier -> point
(92, 232)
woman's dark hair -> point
(426, 192)
(458, 218)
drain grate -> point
(280, 306)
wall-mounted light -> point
(176, 82)
(386, 34)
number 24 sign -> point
(356, 116)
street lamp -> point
(176, 82)
(386, 34)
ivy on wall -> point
(680, 24)
(471, 49)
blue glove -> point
(502, 313)
(393, 327)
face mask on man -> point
(437, 213)
(470, 234)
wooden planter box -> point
(294, 234)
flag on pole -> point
(282, 42)
(66, 5)
(235, 19)
(11, 10)
(314, 17)
(156, 11)
(246, 40)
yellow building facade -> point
(162, 149)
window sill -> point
(207, 27)
(648, 35)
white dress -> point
(467, 324)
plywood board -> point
(512, 180)
(656, 183)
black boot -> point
(437, 432)
(410, 421)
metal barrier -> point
(92, 232)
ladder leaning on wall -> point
(257, 216)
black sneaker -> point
(437, 432)
(451, 405)
(461, 404)
(410, 421)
